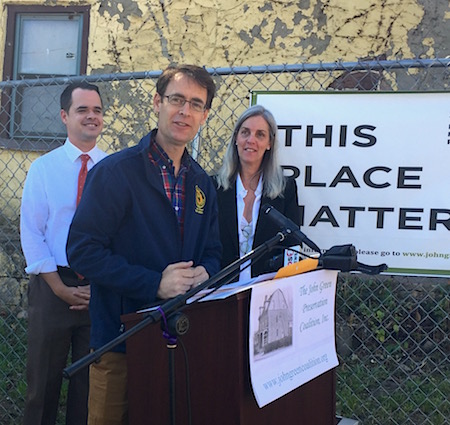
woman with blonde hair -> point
(251, 176)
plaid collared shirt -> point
(174, 186)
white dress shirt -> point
(241, 193)
(48, 205)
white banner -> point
(291, 333)
(372, 170)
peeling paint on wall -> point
(136, 35)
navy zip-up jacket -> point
(125, 233)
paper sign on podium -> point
(291, 333)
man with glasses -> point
(146, 228)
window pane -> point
(39, 112)
(49, 46)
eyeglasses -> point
(179, 101)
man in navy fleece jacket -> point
(146, 228)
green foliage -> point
(413, 400)
(12, 367)
(398, 371)
(13, 384)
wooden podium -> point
(219, 376)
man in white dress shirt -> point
(58, 298)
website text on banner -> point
(371, 171)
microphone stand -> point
(173, 305)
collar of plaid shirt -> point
(174, 186)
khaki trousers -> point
(108, 399)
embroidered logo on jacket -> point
(200, 200)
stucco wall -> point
(138, 35)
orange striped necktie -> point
(82, 175)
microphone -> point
(344, 259)
(288, 226)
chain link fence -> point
(392, 331)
